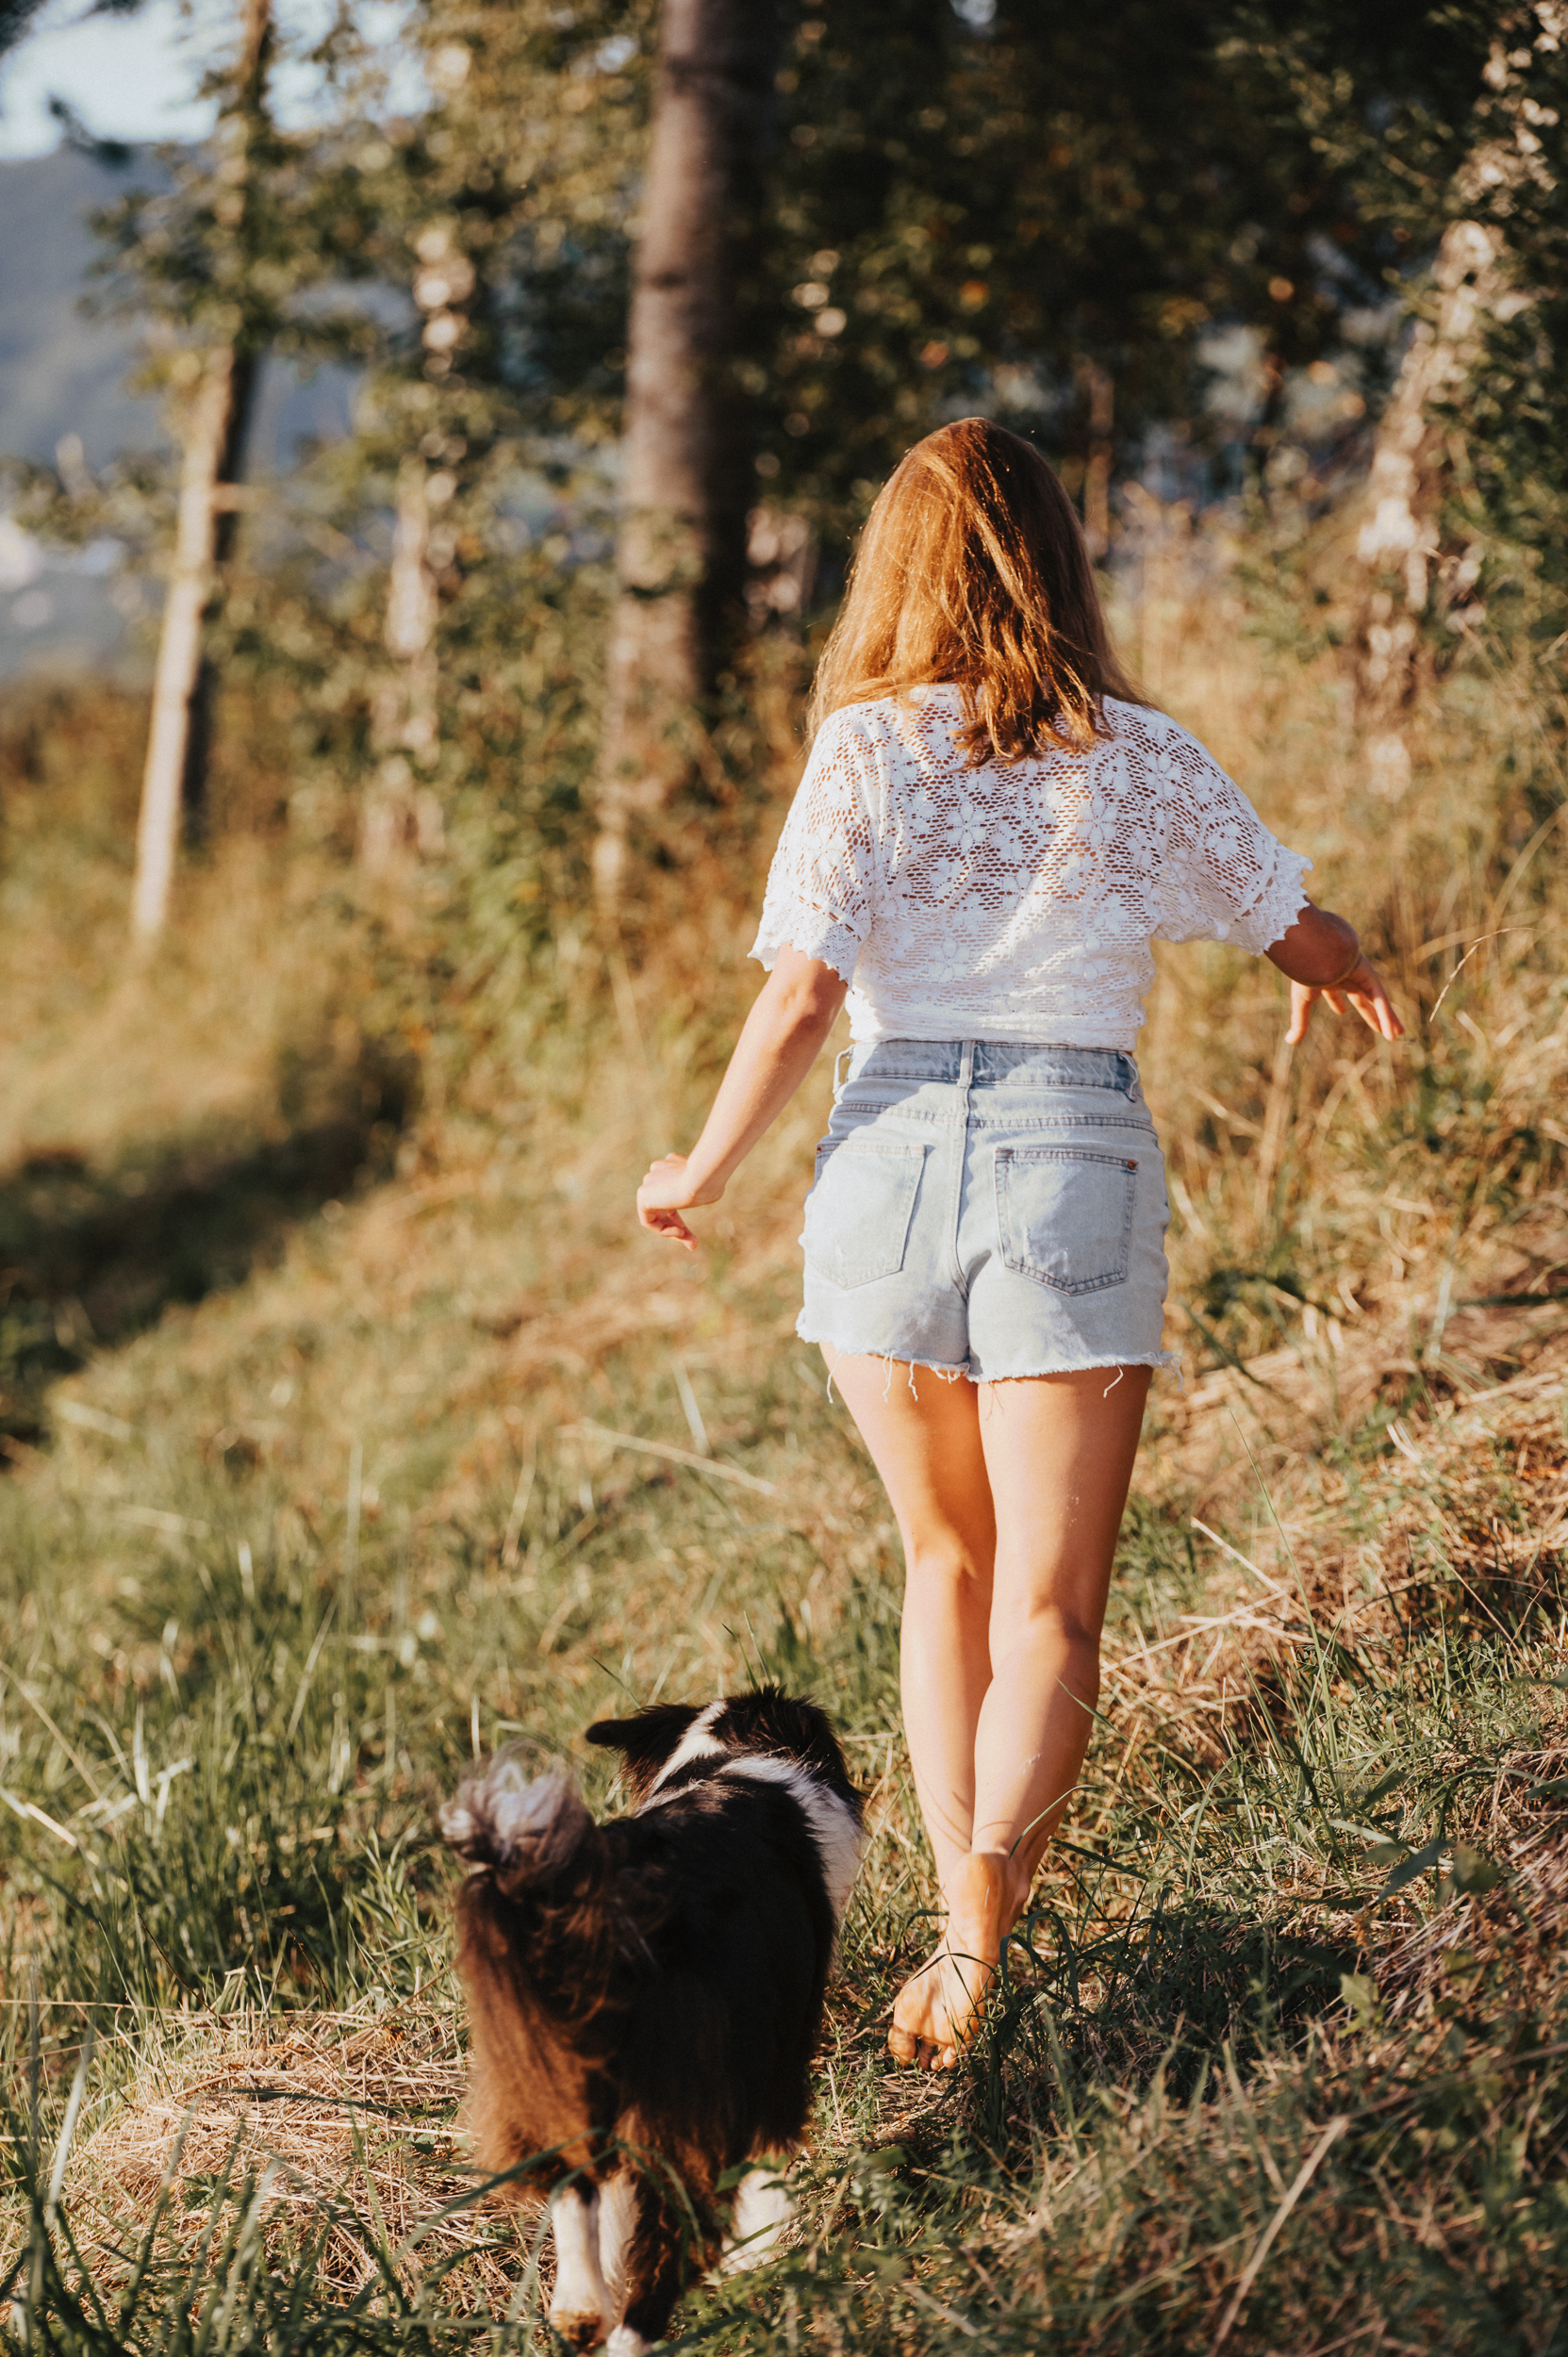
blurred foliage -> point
(991, 211)
(1462, 119)
(1219, 212)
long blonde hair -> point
(973, 571)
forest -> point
(361, 943)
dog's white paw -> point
(623, 2341)
(763, 2210)
(578, 2311)
(580, 2328)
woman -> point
(991, 829)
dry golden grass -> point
(1368, 1258)
(102, 1055)
(333, 2118)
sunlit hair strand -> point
(973, 573)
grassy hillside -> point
(340, 1393)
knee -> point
(945, 1567)
(1046, 1621)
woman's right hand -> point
(666, 1192)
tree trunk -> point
(244, 371)
(1505, 172)
(1398, 541)
(681, 557)
(1099, 394)
(179, 737)
(397, 816)
(175, 738)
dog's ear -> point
(646, 1742)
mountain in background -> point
(60, 372)
(63, 373)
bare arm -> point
(1322, 958)
(782, 1038)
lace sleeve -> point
(1226, 878)
(820, 884)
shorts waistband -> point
(987, 1062)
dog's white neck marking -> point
(697, 1743)
(839, 1841)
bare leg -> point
(1054, 1459)
(925, 1443)
(1059, 1450)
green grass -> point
(1282, 2053)
(237, 1730)
(1173, 2040)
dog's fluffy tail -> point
(529, 1832)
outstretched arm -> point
(1322, 958)
(784, 1033)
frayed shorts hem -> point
(1159, 1360)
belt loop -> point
(838, 1084)
(967, 1065)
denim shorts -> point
(988, 1209)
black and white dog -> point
(645, 1996)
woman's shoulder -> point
(844, 720)
(881, 715)
(1130, 723)
(892, 733)
(1172, 750)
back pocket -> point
(1066, 1216)
(859, 1210)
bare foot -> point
(936, 2011)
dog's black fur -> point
(653, 1985)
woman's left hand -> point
(1360, 992)
(666, 1192)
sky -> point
(135, 77)
(128, 77)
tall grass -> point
(1278, 2063)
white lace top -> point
(1015, 903)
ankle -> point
(995, 1882)
(978, 1881)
